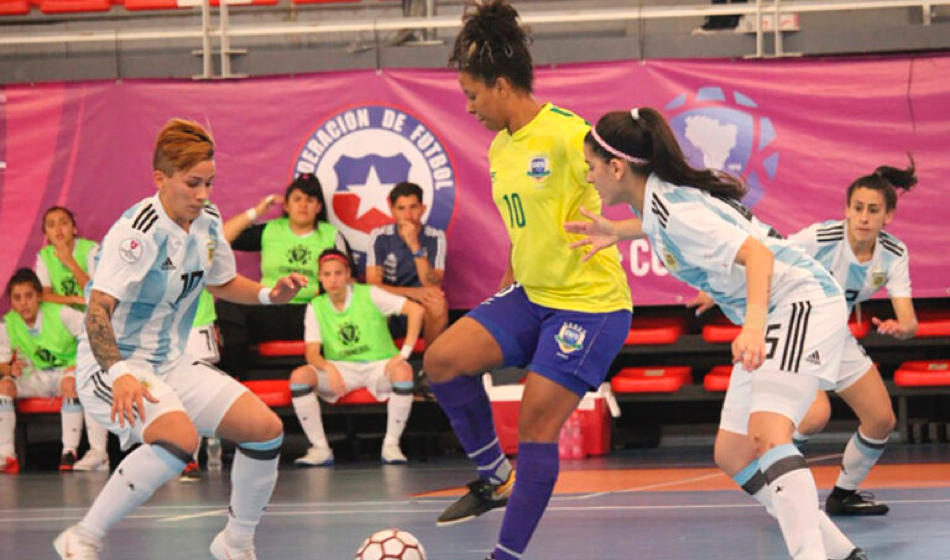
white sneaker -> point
(316, 457)
(221, 550)
(74, 544)
(93, 460)
(392, 455)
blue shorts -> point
(572, 348)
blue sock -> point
(465, 402)
(538, 467)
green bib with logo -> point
(55, 347)
(205, 314)
(63, 281)
(359, 334)
(284, 252)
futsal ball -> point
(391, 544)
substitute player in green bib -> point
(65, 263)
(38, 343)
(561, 318)
(349, 322)
(290, 244)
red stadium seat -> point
(655, 330)
(860, 330)
(683, 372)
(275, 348)
(14, 7)
(39, 405)
(137, 5)
(74, 6)
(239, 3)
(322, 1)
(720, 332)
(717, 380)
(669, 383)
(933, 323)
(358, 396)
(274, 392)
(419, 348)
(924, 373)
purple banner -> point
(799, 131)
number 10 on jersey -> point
(515, 210)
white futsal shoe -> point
(316, 457)
(92, 461)
(75, 544)
(392, 455)
(221, 550)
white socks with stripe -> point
(97, 434)
(307, 408)
(7, 427)
(794, 501)
(253, 477)
(860, 456)
(72, 418)
(397, 414)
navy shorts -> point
(572, 348)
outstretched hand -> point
(287, 287)
(599, 231)
(702, 302)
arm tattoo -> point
(99, 329)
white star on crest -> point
(373, 194)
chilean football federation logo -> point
(359, 154)
(724, 129)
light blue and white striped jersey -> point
(888, 267)
(697, 237)
(156, 271)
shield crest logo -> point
(571, 337)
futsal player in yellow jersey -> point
(561, 318)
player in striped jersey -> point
(791, 310)
(863, 258)
(132, 373)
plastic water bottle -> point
(214, 454)
(570, 444)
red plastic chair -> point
(39, 405)
(14, 7)
(933, 323)
(358, 396)
(74, 6)
(717, 380)
(274, 392)
(658, 384)
(923, 373)
(276, 348)
(683, 372)
(655, 330)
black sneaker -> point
(482, 496)
(857, 554)
(67, 460)
(859, 503)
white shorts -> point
(804, 342)
(41, 383)
(203, 344)
(358, 375)
(199, 389)
(854, 363)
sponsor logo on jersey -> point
(721, 128)
(570, 338)
(361, 153)
(130, 250)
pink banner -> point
(799, 131)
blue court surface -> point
(660, 504)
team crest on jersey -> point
(669, 260)
(299, 255)
(349, 334)
(359, 154)
(878, 279)
(130, 250)
(725, 129)
(212, 245)
(571, 337)
(539, 168)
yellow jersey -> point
(539, 181)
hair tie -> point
(635, 113)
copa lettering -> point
(641, 264)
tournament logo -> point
(570, 338)
(69, 287)
(349, 334)
(361, 153)
(725, 129)
(539, 168)
(130, 250)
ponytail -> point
(645, 138)
(887, 180)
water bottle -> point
(578, 450)
(214, 454)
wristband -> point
(118, 369)
(251, 214)
(756, 316)
(264, 296)
(421, 253)
(405, 351)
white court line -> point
(212, 513)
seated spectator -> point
(408, 258)
(349, 322)
(38, 359)
(289, 244)
(65, 263)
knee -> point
(270, 428)
(816, 419)
(881, 425)
(175, 430)
(438, 363)
(402, 373)
(303, 375)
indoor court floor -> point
(656, 504)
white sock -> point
(253, 476)
(860, 456)
(307, 408)
(794, 501)
(397, 413)
(7, 427)
(135, 479)
(97, 435)
(71, 415)
(837, 544)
